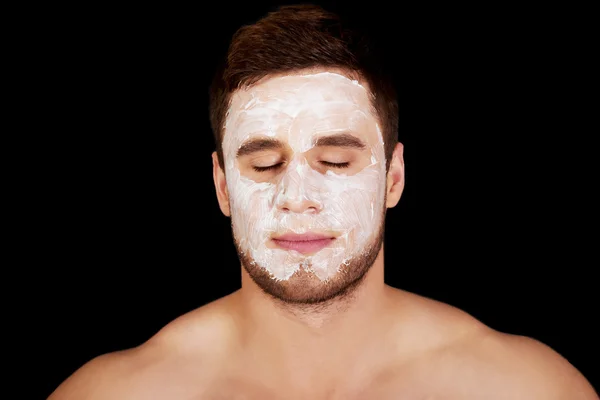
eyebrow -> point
(259, 144)
(345, 140)
(340, 140)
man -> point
(306, 165)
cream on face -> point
(304, 196)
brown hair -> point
(294, 38)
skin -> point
(326, 161)
(371, 341)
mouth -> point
(307, 243)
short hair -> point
(294, 38)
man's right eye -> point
(270, 167)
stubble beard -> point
(304, 287)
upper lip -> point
(305, 237)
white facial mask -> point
(295, 109)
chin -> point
(307, 285)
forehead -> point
(295, 108)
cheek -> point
(351, 205)
(251, 204)
(355, 200)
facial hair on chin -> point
(304, 288)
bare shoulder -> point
(189, 349)
(490, 363)
(465, 357)
(103, 377)
(525, 366)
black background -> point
(127, 233)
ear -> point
(220, 185)
(395, 177)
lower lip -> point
(304, 247)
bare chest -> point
(392, 384)
(386, 387)
(232, 382)
(244, 390)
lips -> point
(306, 243)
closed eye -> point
(325, 163)
(270, 167)
(335, 165)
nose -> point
(300, 205)
(296, 195)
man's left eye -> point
(335, 165)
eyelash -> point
(336, 165)
(326, 163)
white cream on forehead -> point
(295, 109)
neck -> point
(340, 331)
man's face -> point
(306, 175)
